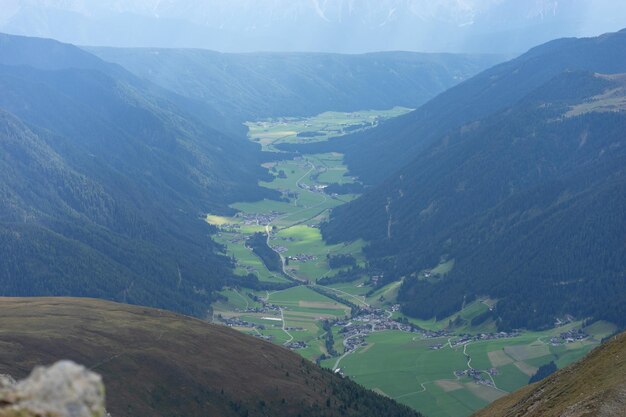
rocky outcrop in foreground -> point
(64, 389)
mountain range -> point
(256, 86)
(348, 26)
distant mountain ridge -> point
(346, 26)
(255, 86)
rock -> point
(63, 390)
(6, 381)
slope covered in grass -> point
(156, 363)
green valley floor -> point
(442, 368)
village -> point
(317, 188)
(466, 338)
(258, 219)
(571, 336)
(367, 321)
(480, 377)
(301, 257)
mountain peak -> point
(492, 26)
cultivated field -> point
(314, 129)
(390, 359)
(404, 367)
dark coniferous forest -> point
(528, 200)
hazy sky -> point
(508, 26)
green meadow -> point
(402, 366)
(397, 364)
(317, 128)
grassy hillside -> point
(595, 386)
(156, 363)
(255, 86)
(105, 181)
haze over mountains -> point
(257, 86)
(348, 26)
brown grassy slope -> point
(595, 386)
(156, 363)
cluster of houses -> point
(378, 320)
(264, 308)
(570, 336)
(301, 257)
(434, 334)
(373, 320)
(478, 376)
(317, 188)
(258, 219)
(295, 345)
(358, 327)
(466, 338)
(230, 227)
(294, 329)
(237, 322)
(353, 342)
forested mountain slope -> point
(529, 202)
(260, 85)
(374, 155)
(104, 181)
(595, 386)
(156, 363)
(49, 54)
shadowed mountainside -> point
(105, 179)
(376, 154)
(260, 85)
(527, 201)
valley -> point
(381, 232)
(339, 316)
